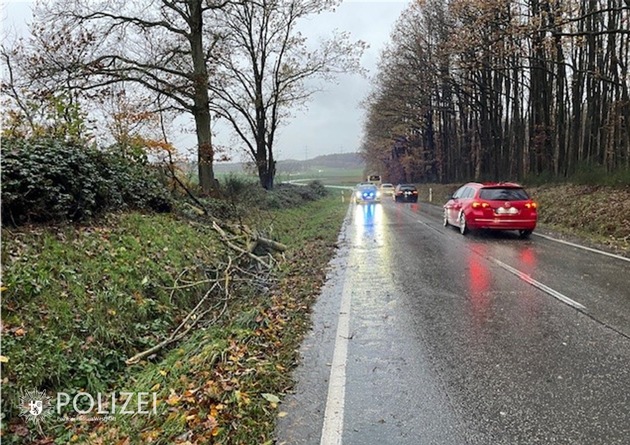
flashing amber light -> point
(477, 204)
(531, 205)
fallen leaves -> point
(598, 213)
(173, 399)
(272, 399)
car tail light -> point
(480, 205)
(415, 192)
(531, 205)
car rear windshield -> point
(407, 187)
(503, 194)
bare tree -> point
(34, 102)
(263, 66)
(162, 46)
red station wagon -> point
(497, 206)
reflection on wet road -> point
(369, 227)
(467, 340)
(593, 283)
(383, 352)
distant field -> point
(222, 175)
(327, 175)
(335, 175)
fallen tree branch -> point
(240, 230)
(233, 246)
(255, 239)
(171, 168)
(270, 244)
(174, 337)
(136, 358)
(192, 313)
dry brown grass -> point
(598, 213)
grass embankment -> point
(598, 215)
(78, 301)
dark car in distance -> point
(495, 206)
(406, 193)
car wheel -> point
(445, 218)
(463, 228)
(524, 233)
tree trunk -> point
(266, 174)
(201, 107)
(266, 166)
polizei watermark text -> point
(84, 406)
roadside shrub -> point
(318, 189)
(291, 195)
(242, 193)
(241, 189)
(283, 196)
(53, 180)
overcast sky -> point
(333, 121)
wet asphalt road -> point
(485, 339)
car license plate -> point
(504, 211)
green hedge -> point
(47, 180)
(290, 195)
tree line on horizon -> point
(499, 89)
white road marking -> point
(528, 279)
(525, 277)
(590, 249)
(332, 430)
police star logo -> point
(35, 405)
